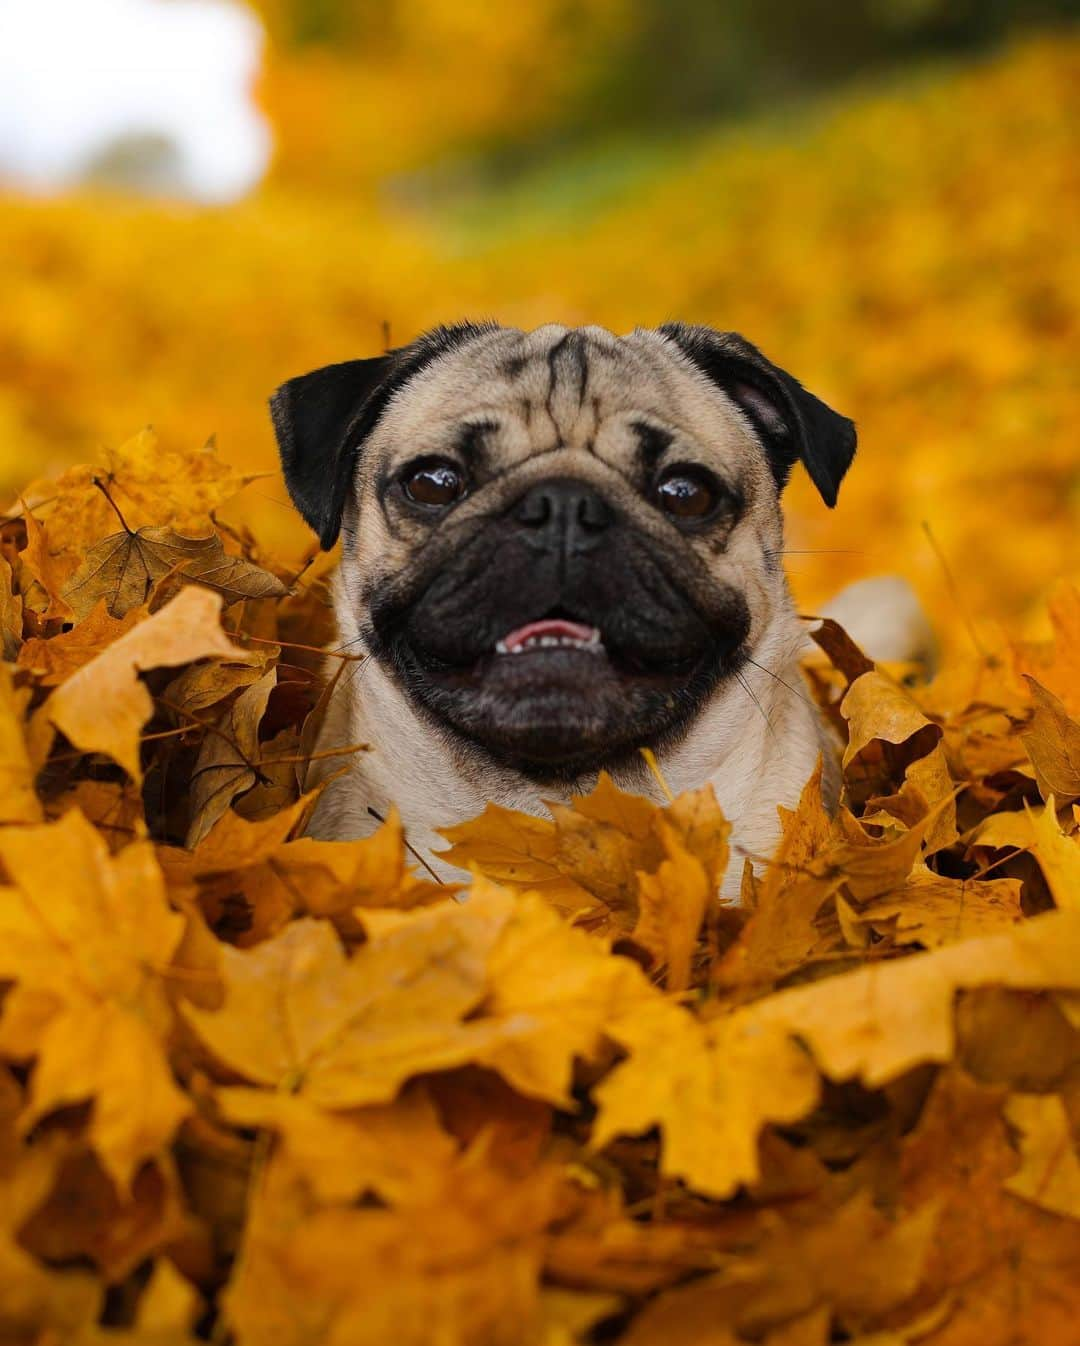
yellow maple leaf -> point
(344, 1032)
(464, 1259)
(671, 906)
(517, 850)
(153, 484)
(710, 1088)
(933, 910)
(86, 937)
(1049, 1172)
(398, 1151)
(103, 705)
(744, 1068)
(53, 661)
(1037, 830)
(18, 801)
(589, 860)
(877, 1022)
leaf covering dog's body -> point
(560, 547)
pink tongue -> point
(553, 626)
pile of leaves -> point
(283, 1092)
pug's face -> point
(557, 543)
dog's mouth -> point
(558, 650)
(568, 690)
(551, 633)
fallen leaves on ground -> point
(267, 1089)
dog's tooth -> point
(500, 647)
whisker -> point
(409, 847)
(750, 693)
(777, 678)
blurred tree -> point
(691, 59)
(359, 89)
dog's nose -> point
(564, 513)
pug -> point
(560, 547)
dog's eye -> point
(435, 482)
(687, 493)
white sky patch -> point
(80, 77)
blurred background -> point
(199, 199)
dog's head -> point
(558, 543)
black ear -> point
(321, 420)
(313, 416)
(792, 423)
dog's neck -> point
(756, 741)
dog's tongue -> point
(551, 626)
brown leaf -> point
(228, 761)
(87, 1218)
(50, 573)
(793, 1272)
(1053, 744)
(11, 614)
(200, 686)
(842, 651)
(123, 569)
(1008, 1266)
(783, 928)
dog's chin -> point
(554, 714)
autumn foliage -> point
(266, 1090)
(286, 1092)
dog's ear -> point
(792, 423)
(316, 420)
(322, 419)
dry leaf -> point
(933, 910)
(11, 614)
(399, 1151)
(1037, 830)
(87, 938)
(316, 1098)
(152, 484)
(103, 706)
(18, 801)
(49, 574)
(1053, 744)
(710, 1088)
(122, 570)
(1049, 1173)
(1007, 1267)
(54, 661)
(228, 761)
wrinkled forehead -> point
(558, 387)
